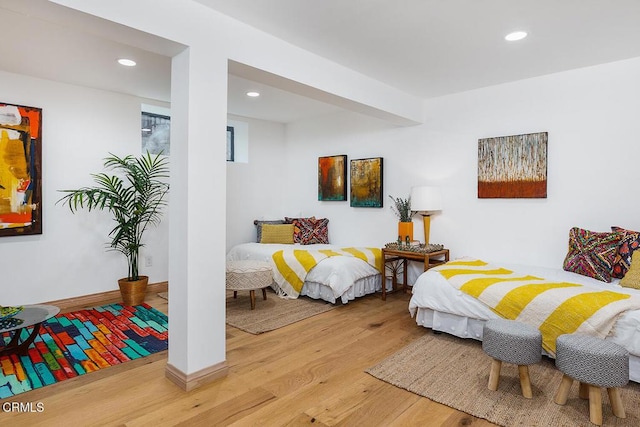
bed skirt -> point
(361, 287)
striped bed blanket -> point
(555, 308)
(292, 265)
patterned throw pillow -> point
(308, 231)
(591, 254)
(629, 243)
(318, 234)
(632, 278)
(299, 225)
(258, 224)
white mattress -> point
(438, 305)
(334, 278)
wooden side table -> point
(397, 259)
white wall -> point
(255, 190)
(591, 115)
(80, 126)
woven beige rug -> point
(455, 372)
(271, 314)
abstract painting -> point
(20, 170)
(366, 183)
(513, 166)
(332, 178)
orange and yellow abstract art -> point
(20, 169)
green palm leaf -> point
(135, 196)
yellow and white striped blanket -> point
(555, 308)
(292, 265)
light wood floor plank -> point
(308, 373)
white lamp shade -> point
(426, 199)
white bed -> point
(338, 278)
(441, 307)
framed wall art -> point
(366, 183)
(513, 166)
(332, 178)
(20, 170)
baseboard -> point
(97, 299)
(188, 382)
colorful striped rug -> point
(76, 343)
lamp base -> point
(426, 219)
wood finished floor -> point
(308, 373)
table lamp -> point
(425, 200)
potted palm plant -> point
(135, 196)
(402, 208)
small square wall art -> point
(366, 183)
(513, 166)
(20, 170)
(332, 178)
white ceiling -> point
(436, 47)
(424, 47)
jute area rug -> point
(455, 372)
(268, 315)
(271, 314)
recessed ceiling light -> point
(516, 35)
(253, 94)
(127, 62)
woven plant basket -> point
(133, 291)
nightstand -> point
(396, 260)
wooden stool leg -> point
(235, 294)
(563, 390)
(595, 405)
(584, 391)
(525, 381)
(494, 375)
(264, 294)
(616, 402)
(252, 293)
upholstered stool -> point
(595, 363)
(249, 275)
(512, 342)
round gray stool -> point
(512, 342)
(595, 363)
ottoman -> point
(249, 275)
(595, 363)
(512, 342)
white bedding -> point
(337, 277)
(438, 305)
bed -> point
(334, 278)
(437, 304)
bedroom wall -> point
(254, 188)
(80, 127)
(590, 115)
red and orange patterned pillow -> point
(628, 244)
(307, 231)
(592, 254)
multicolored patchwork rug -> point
(79, 342)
